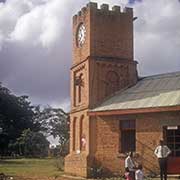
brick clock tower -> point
(102, 64)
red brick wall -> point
(80, 54)
(106, 143)
(76, 164)
(149, 132)
(112, 33)
(76, 161)
(108, 48)
(81, 69)
(103, 143)
(108, 33)
(105, 134)
(99, 83)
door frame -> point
(173, 163)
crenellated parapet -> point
(104, 8)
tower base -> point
(78, 165)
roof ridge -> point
(147, 91)
(163, 75)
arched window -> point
(112, 83)
(78, 88)
(74, 134)
(81, 135)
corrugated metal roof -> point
(153, 91)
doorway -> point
(172, 138)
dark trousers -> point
(163, 168)
(132, 174)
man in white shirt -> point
(162, 152)
(129, 163)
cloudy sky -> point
(35, 44)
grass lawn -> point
(31, 167)
(39, 169)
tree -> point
(55, 122)
(32, 144)
(16, 114)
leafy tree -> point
(32, 144)
(16, 114)
(55, 122)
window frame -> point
(129, 127)
(172, 136)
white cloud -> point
(10, 12)
(157, 34)
(33, 22)
(44, 24)
(28, 27)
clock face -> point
(81, 35)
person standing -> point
(139, 173)
(127, 174)
(162, 152)
(129, 164)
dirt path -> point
(64, 178)
(38, 178)
(72, 178)
(45, 178)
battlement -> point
(104, 8)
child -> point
(139, 173)
(127, 174)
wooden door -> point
(172, 138)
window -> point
(78, 89)
(81, 130)
(172, 137)
(127, 136)
(74, 134)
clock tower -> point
(102, 65)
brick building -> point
(113, 111)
